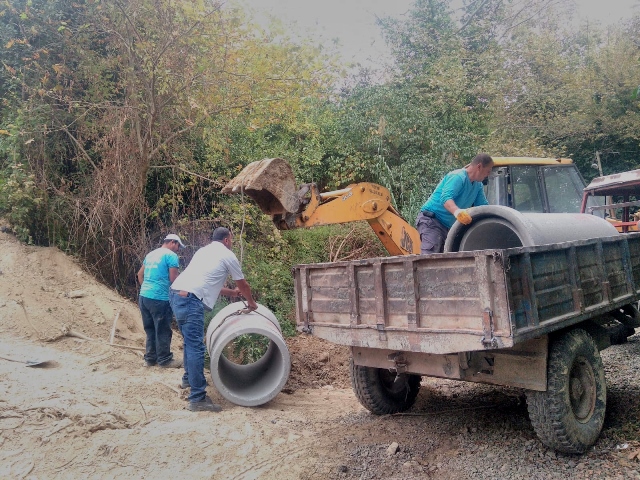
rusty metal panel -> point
(433, 341)
(552, 284)
(602, 269)
(523, 300)
(524, 366)
(634, 255)
(588, 275)
(615, 267)
(433, 365)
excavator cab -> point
(535, 185)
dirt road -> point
(95, 412)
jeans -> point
(189, 312)
(156, 320)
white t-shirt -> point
(207, 272)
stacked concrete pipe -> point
(255, 383)
(496, 226)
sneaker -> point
(172, 364)
(204, 405)
(184, 384)
(149, 364)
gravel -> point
(463, 430)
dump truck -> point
(533, 317)
(525, 300)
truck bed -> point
(466, 301)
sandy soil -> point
(93, 411)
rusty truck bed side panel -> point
(466, 301)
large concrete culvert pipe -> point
(496, 226)
(254, 383)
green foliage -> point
(247, 348)
(20, 200)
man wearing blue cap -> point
(159, 269)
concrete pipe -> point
(255, 383)
(497, 226)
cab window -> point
(527, 195)
(564, 189)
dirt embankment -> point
(93, 411)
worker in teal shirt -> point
(457, 191)
(159, 270)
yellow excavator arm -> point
(271, 184)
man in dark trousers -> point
(159, 269)
(457, 191)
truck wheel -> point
(382, 391)
(568, 417)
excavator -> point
(524, 183)
(271, 184)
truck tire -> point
(568, 417)
(382, 391)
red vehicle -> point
(616, 198)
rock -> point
(324, 358)
(410, 465)
(393, 448)
(342, 469)
(76, 294)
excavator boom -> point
(271, 184)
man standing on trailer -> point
(457, 191)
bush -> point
(20, 200)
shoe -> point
(204, 405)
(149, 364)
(184, 384)
(172, 364)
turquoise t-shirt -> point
(156, 273)
(457, 186)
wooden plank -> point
(602, 272)
(574, 279)
(529, 291)
(354, 318)
(381, 298)
(412, 293)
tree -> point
(107, 91)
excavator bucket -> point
(271, 183)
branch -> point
(466, 24)
(122, 10)
(77, 143)
(218, 184)
(544, 6)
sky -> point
(353, 21)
